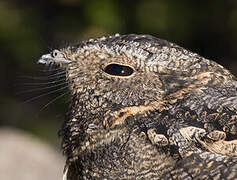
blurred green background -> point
(30, 28)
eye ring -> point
(118, 70)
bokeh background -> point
(31, 28)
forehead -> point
(146, 50)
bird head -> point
(128, 70)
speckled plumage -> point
(174, 117)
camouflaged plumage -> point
(173, 116)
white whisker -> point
(42, 88)
(45, 94)
(50, 102)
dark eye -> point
(118, 70)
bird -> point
(145, 108)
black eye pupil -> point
(118, 70)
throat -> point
(84, 124)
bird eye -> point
(118, 70)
